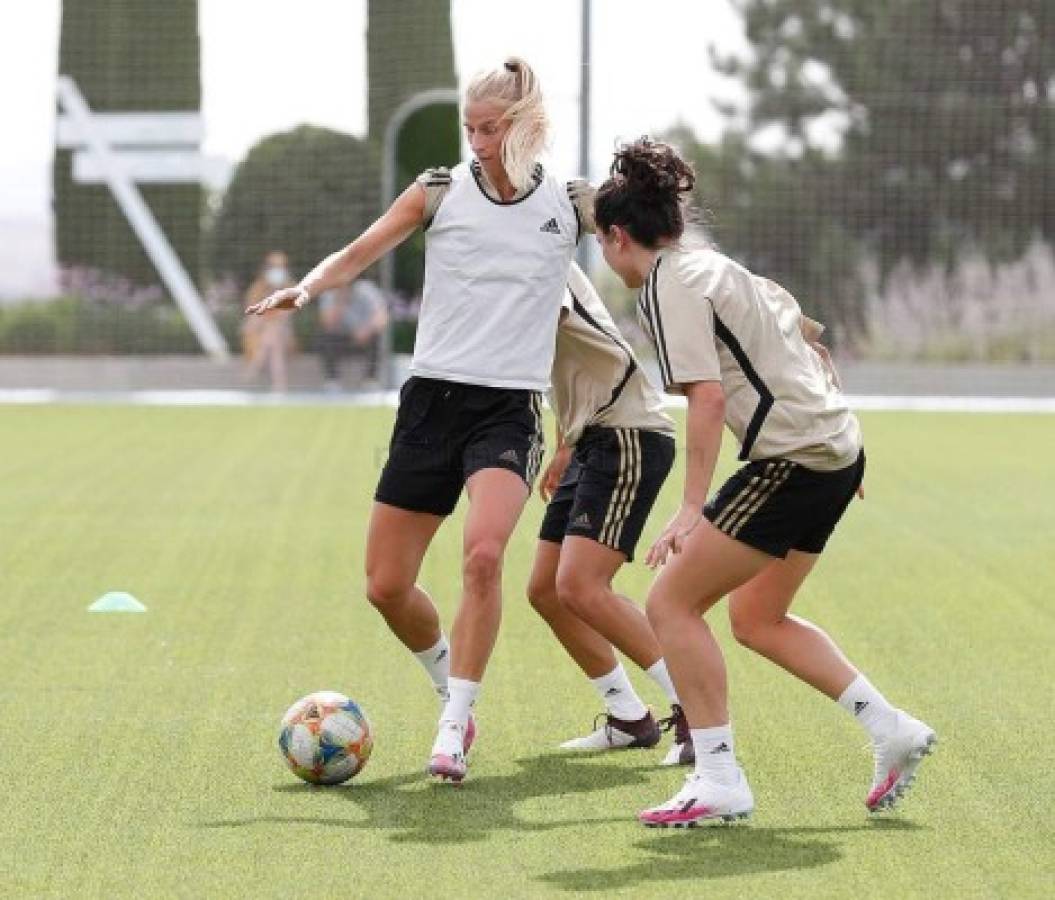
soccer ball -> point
(325, 738)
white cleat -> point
(701, 800)
(617, 734)
(448, 760)
(896, 760)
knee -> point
(666, 615)
(578, 595)
(482, 567)
(749, 631)
(385, 590)
(543, 598)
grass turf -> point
(140, 755)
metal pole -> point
(388, 195)
(584, 117)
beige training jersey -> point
(596, 379)
(712, 320)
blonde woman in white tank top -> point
(497, 253)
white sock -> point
(462, 697)
(619, 696)
(715, 754)
(869, 707)
(659, 674)
(437, 662)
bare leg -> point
(584, 586)
(758, 613)
(395, 546)
(496, 499)
(709, 566)
(592, 653)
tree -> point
(308, 192)
(410, 49)
(776, 216)
(138, 56)
(947, 109)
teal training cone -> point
(117, 601)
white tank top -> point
(494, 282)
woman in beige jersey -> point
(732, 343)
(615, 447)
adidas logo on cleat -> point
(510, 456)
(582, 521)
(550, 227)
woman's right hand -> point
(550, 480)
(286, 298)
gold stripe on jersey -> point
(758, 484)
(780, 476)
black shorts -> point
(776, 505)
(609, 488)
(446, 431)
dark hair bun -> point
(653, 169)
(645, 193)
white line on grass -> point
(902, 403)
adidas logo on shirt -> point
(723, 747)
(860, 706)
(582, 521)
(551, 227)
(611, 692)
(510, 456)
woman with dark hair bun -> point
(739, 349)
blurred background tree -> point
(307, 191)
(410, 49)
(131, 56)
(902, 130)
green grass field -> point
(140, 756)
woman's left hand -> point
(674, 535)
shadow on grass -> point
(430, 813)
(718, 851)
(416, 811)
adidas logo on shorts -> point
(510, 456)
(583, 521)
(551, 227)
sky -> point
(287, 64)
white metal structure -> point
(79, 127)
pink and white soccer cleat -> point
(449, 760)
(896, 761)
(448, 768)
(701, 800)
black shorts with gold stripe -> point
(609, 488)
(777, 505)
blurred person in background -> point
(268, 340)
(352, 319)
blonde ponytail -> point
(516, 87)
